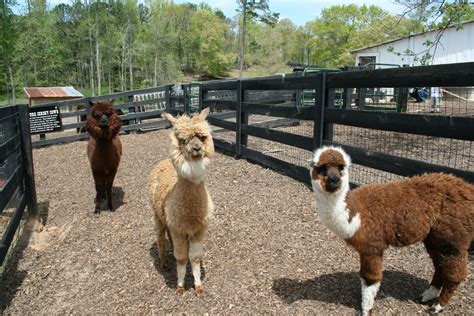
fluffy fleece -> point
(104, 149)
(179, 196)
(436, 209)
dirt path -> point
(266, 251)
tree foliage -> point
(115, 45)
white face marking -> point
(368, 296)
(429, 294)
(193, 170)
(332, 209)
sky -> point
(298, 11)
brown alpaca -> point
(179, 197)
(104, 149)
(437, 209)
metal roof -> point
(52, 92)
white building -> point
(455, 46)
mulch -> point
(266, 250)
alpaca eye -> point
(321, 170)
(341, 167)
(202, 138)
(182, 141)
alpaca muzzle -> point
(333, 182)
(104, 121)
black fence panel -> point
(374, 114)
(17, 185)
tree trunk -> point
(12, 84)
(97, 56)
(242, 41)
(155, 71)
(130, 54)
(91, 62)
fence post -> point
(201, 98)
(238, 119)
(361, 97)
(328, 102)
(346, 102)
(319, 101)
(402, 101)
(27, 159)
(132, 109)
(167, 99)
(186, 98)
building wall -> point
(454, 47)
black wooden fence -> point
(276, 100)
(17, 184)
(326, 116)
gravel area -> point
(266, 251)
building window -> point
(364, 60)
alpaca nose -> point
(333, 182)
(197, 148)
(104, 121)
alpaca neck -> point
(334, 213)
(192, 170)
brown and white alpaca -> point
(437, 209)
(179, 196)
(104, 149)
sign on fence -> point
(45, 119)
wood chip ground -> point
(266, 250)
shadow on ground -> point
(117, 200)
(117, 197)
(9, 285)
(344, 288)
(170, 275)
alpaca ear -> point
(111, 101)
(202, 116)
(91, 103)
(168, 117)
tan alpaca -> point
(179, 197)
(437, 209)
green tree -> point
(7, 42)
(207, 38)
(252, 10)
(342, 28)
(37, 46)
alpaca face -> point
(191, 144)
(330, 169)
(103, 122)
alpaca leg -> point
(109, 183)
(180, 251)
(170, 238)
(99, 189)
(160, 239)
(195, 255)
(371, 276)
(454, 272)
(432, 292)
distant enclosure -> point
(278, 121)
